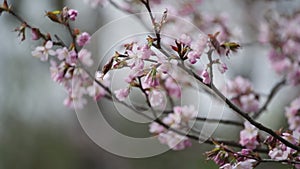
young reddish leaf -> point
(215, 43)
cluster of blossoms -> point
(162, 67)
(249, 136)
(64, 62)
(179, 120)
(241, 92)
(228, 159)
(279, 151)
(293, 115)
(282, 33)
(157, 79)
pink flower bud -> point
(72, 14)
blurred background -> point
(38, 132)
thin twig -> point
(229, 122)
(273, 92)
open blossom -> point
(293, 76)
(284, 54)
(241, 92)
(72, 57)
(57, 72)
(193, 56)
(156, 128)
(122, 94)
(85, 57)
(133, 75)
(76, 94)
(281, 151)
(43, 52)
(62, 53)
(248, 136)
(249, 103)
(186, 113)
(137, 55)
(247, 164)
(157, 99)
(72, 14)
(177, 120)
(292, 114)
(96, 91)
(83, 39)
(173, 88)
(174, 141)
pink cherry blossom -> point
(96, 91)
(137, 55)
(43, 52)
(72, 57)
(57, 72)
(173, 88)
(85, 57)
(156, 128)
(133, 74)
(248, 136)
(122, 94)
(187, 113)
(72, 14)
(62, 53)
(247, 164)
(174, 141)
(279, 154)
(293, 77)
(249, 103)
(83, 39)
(193, 56)
(292, 114)
(157, 99)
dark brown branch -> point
(157, 32)
(229, 122)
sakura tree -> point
(163, 63)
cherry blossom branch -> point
(212, 89)
(229, 122)
(273, 92)
(258, 159)
(252, 121)
(155, 26)
(210, 141)
(46, 37)
(236, 109)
